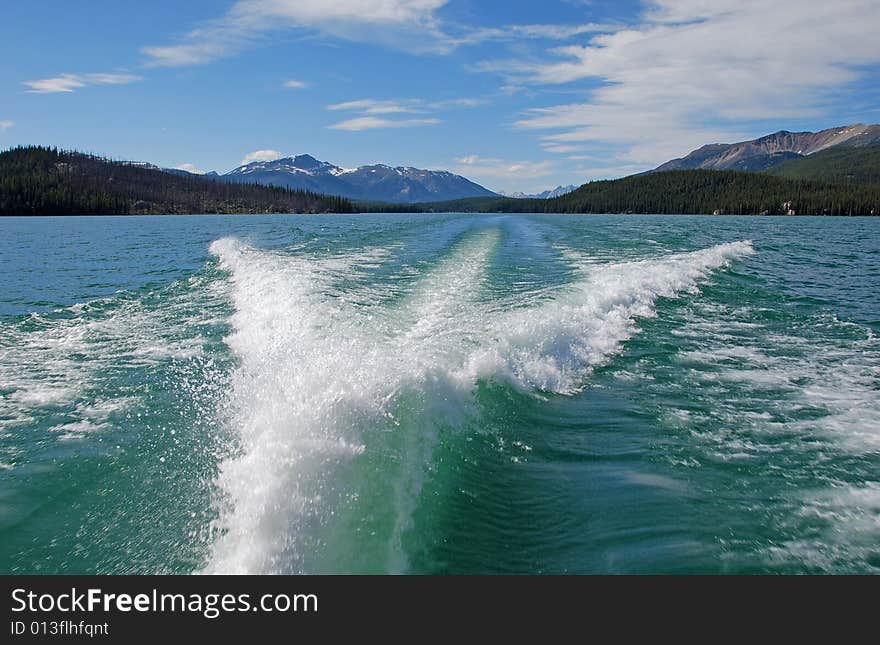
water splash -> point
(326, 375)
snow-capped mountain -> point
(559, 191)
(377, 182)
(547, 194)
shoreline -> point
(450, 212)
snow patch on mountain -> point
(547, 194)
(376, 182)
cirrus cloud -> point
(375, 114)
(372, 106)
(248, 20)
(504, 174)
(374, 123)
(72, 82)
(410, 25)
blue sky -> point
(519, 95)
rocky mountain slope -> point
(766, 152)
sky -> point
(517, 95)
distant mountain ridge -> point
(376, 183)
(771, 150)
(547, 194)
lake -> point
(439, 393)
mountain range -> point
(831, 172)
(373, 183)
(547, 194)
(843, 154)
(834, 171)
(774, 149)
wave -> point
(338, 381)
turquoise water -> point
(439, 394)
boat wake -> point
(341, 390)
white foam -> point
(837, 530)
(320, 366)
(837, 378)
(805, 386)
(77, 429)
(58, 365)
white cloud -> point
(72, 82)
(503, 167)
(411, 25)
(561, 148)
(248, 20)
(188, 167)
(110, 79)
(520, 32)
(697, 71)
(370, 109)
(510, 88)
(459, 103)
(504, 174)
(559, 32)
(372, 106)
(5, 125)
(295, 85)
(595, 173)
(193, 53)
(261, 155)
(64, 83)
(373, 123)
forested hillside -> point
(692, 191)
(47, 181)
(838, 165)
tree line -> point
(838, 164)
(37, 180)
(686, 192)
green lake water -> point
(439, 394)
